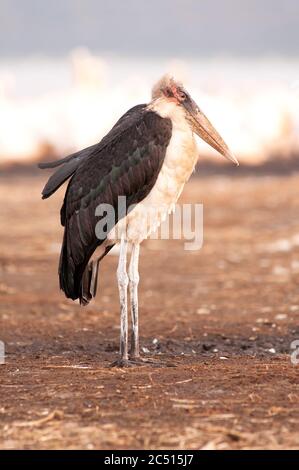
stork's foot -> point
(122, 363)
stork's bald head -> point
(170, 90)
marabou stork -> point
(147, 157)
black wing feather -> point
(72, 162)
(125, 163)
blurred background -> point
(69, 69)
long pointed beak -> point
(204, 129)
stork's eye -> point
(182, 95)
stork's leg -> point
(123, 281)
(133, 287)
(134, 281)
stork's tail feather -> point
(79, 281)
(70, 273)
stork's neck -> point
(168, 109)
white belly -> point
(179, 162)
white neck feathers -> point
(169, 109)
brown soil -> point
(225, 315)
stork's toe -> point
(122, 363)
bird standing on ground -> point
(146, 159)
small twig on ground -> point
(56, 414)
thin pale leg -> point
(123, 282)
(133, 286)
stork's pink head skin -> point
(172, 90)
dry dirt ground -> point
(225, 316)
